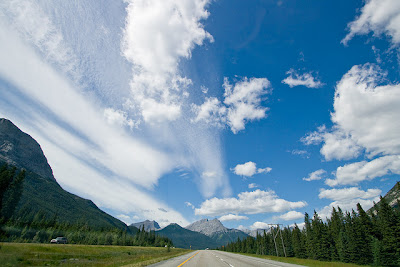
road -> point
(218, 258)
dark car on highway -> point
(59, 240)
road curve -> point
(218, 258)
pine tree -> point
(363, 237)
(320, 239)
(298, 241)
(335, 228)
(387, 221)
(309, 236)
(10, 191)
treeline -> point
(41, 230)
(85, 236)
(351, 237)
(38, 227)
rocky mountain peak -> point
(20, 149)
(148, 225)
(207, 227)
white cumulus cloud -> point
(157, 35)
(232, 217)
(290, 216)
(366, 121)
(253, 185)
(354, 173)
(254, 202)
(316, 175)
(347, 199)
(249, 169)
(242, 103)
(259, 225)
(379, 17)
(306, 79)
(348, 193)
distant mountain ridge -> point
(148, 225)
(184, 238)
(42, 195)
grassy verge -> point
(305, 262)
(15, 254)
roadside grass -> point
(18, 254)
(305, 262)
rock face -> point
(41, 194)
(216, 231)
(392, 197)
(148, 225)
(207, 227)
(20, 149)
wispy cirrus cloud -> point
(95, 122)
(76, 141)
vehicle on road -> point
(59, 240)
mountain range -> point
(198, 235)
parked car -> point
(59, 240)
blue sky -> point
(252, 112)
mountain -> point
(184, 238)
(216, 231)
(148, 225)
(392, 197)
(42, 196)
(207, 227)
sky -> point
(252, 112)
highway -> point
(218, 258)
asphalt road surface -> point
(218, 258)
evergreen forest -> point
(36, 226)
(359, 237)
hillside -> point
(42, 196)
(184, 238)
(392, 197)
